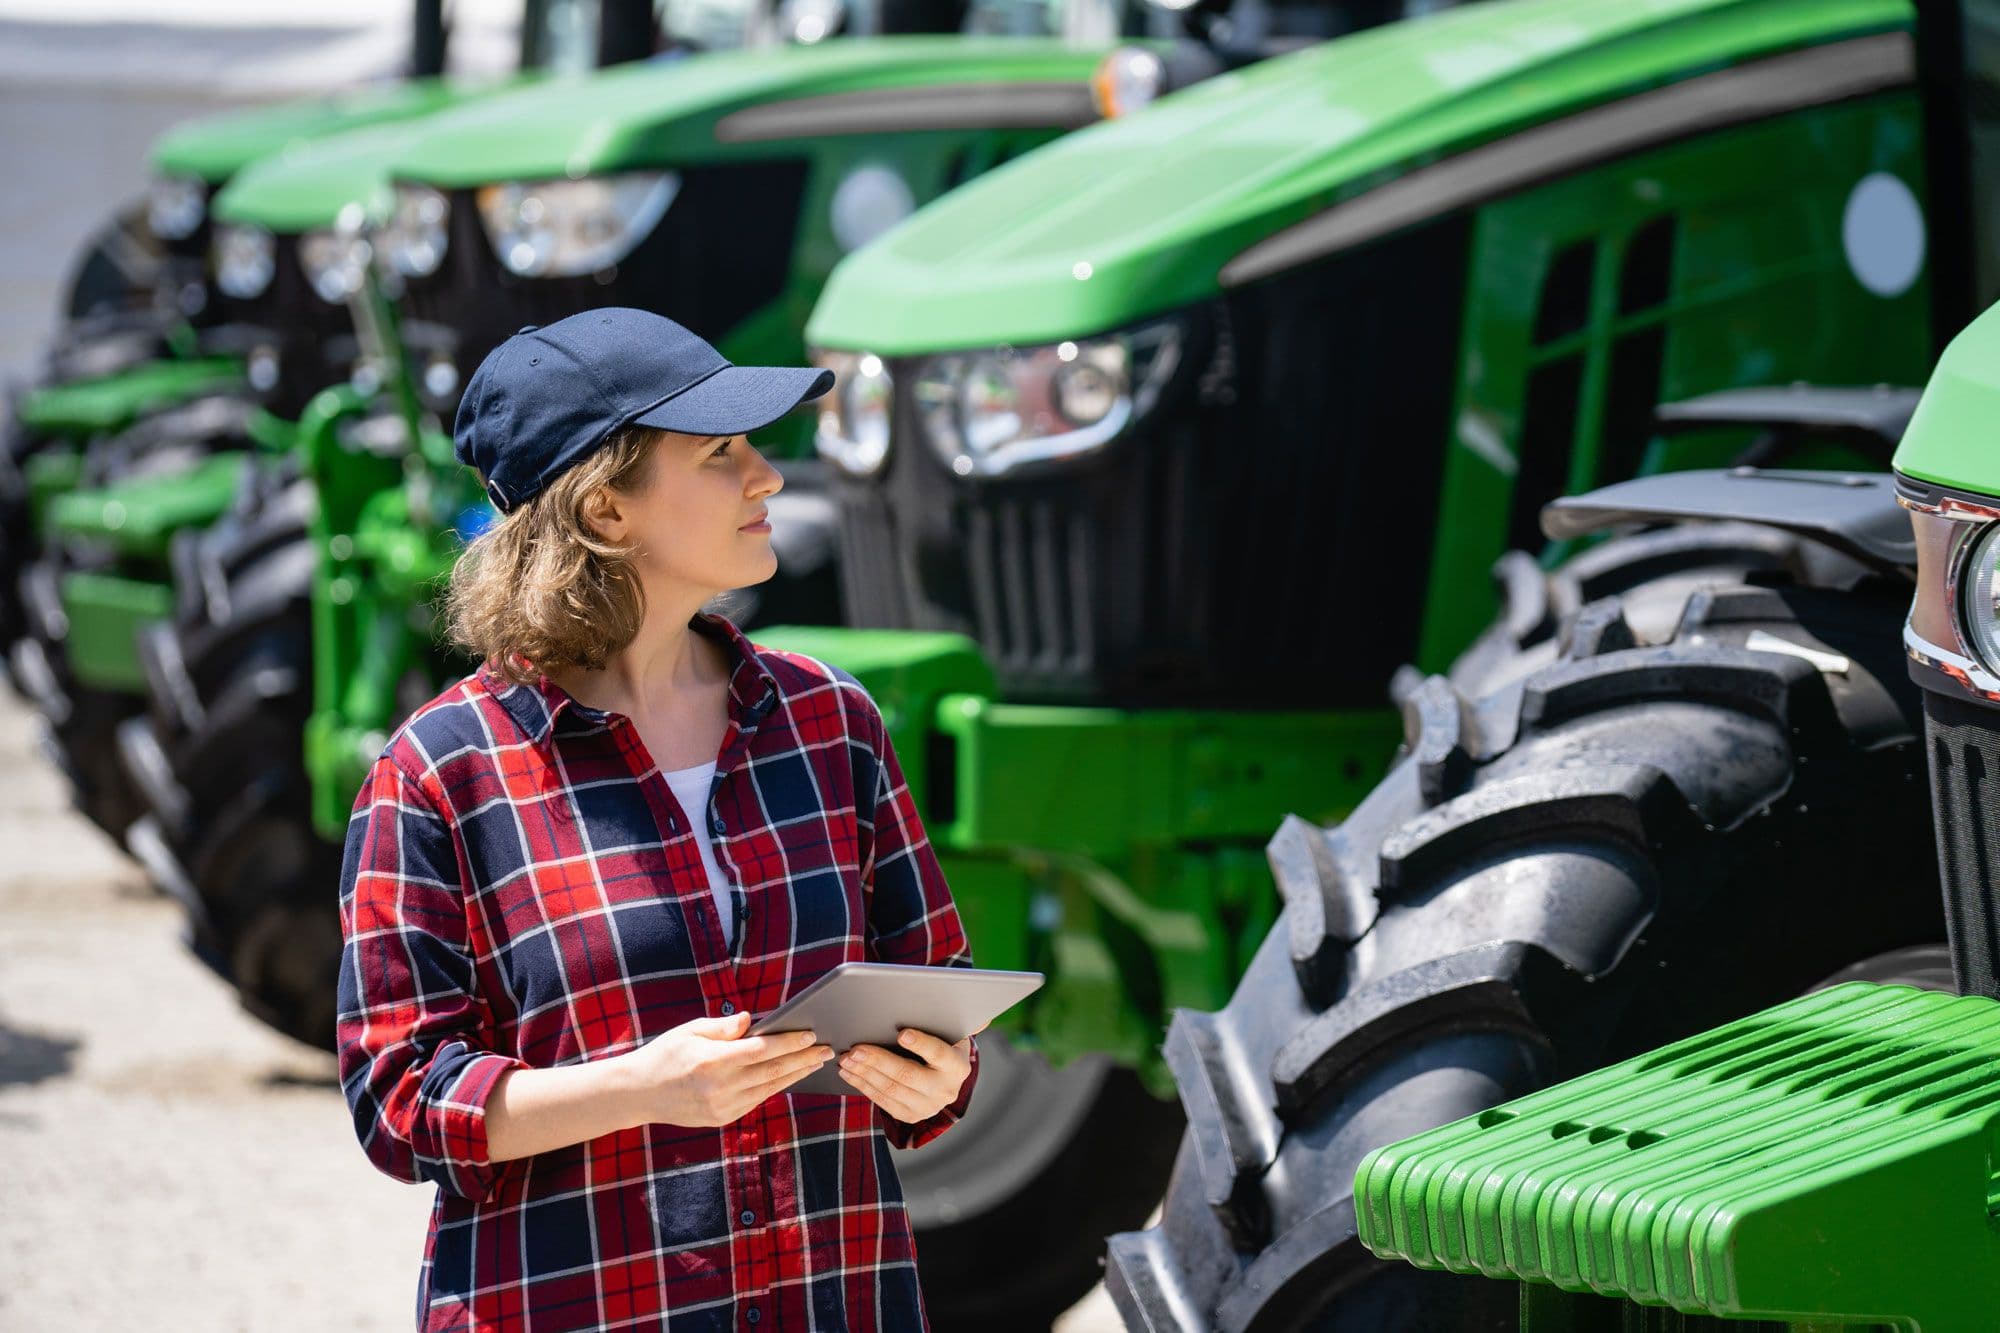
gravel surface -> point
(167, 1156)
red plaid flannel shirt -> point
(520, 889)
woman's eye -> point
(722, 449)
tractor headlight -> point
(336, 263)
(562, 228)
(175, 207)
(854, 418)
(413, 240)
(1978, 611)
(246, 258)
(1127, 79)
(990, 412)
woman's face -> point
(698, 514)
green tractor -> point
(1121, 416)
(1644, 1011)
(1829, 1162)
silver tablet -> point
(869, 1003)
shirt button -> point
(752, 1314)
(727, 1008)
(748, 1219)
(717, 827)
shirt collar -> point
(541, 707)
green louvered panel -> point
(1830, 1160)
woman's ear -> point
(605, 515)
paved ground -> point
(165, 1155)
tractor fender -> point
(1853, 512)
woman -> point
(573, 877)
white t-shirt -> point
(691, 786)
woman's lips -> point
(762, 523)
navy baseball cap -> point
(544, 399)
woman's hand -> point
(904, 1088)
(706, 1072)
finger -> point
(891, 1097)
(894, 1068)
(720, 1029)
(758, 1093)
(933, 1050)
(803, 1062)
(752, 1050)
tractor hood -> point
(1298, 157)
(309, 184)
(1949, 442)
(214, 148)
(733, 103)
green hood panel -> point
(1140, 215)
(308, 184)
(1950, 441)
(666, 112)
(215, 147)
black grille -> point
(1262, 539)
(1965, 803)
(314, 339)
(722, 252)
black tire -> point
(83, 719)
(119, 269)
(1633, 844)
(219, 756)
(1010, 1209)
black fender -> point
(1855, 513)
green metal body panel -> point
(1760, 292)
(214, 148)
(1119, 851)
(139, 518)
(313, 181)
(1950, 439)
(82, 408)
(671, 112)
(49, 474)
(1140, 215)
(1828, 1162)
(105, 612)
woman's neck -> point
(667, 660)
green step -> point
(82, 408)
(1829, 1161)
(105, 612)
(140, 517)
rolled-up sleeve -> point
(911, 916)
(415, 1038)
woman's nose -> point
(765, 479)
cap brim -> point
(736, 399)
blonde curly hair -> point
(540, 588)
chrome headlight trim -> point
(1950, 536)
(246, 259)
(854, 419)
(335, 261)
(415, 236)
(175, 206)
(992, 412)
(566, 228)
